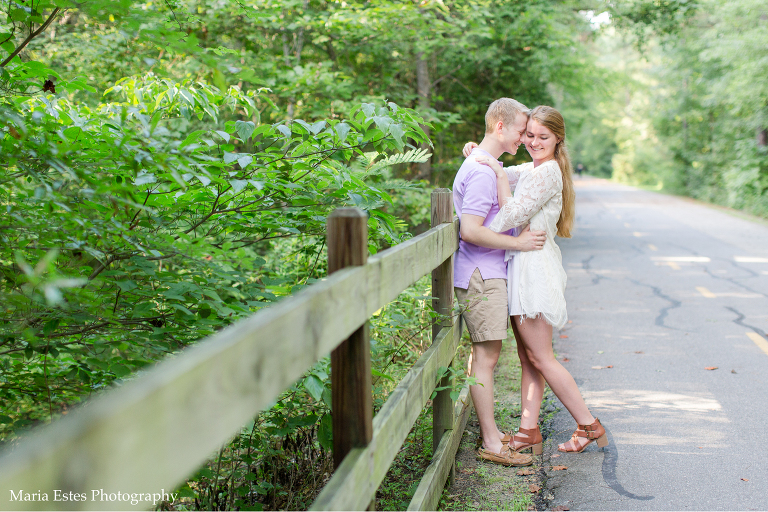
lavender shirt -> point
(474, 192)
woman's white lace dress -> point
(536, 279)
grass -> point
(478, 485)
(404, 475)
(486, 486)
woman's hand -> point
(529, 240)
(468, 147)
(493, 164)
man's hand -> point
(468, 147)
(529, 240)
(473, 231)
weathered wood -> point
(355, 482)
(351, 391)
(351, 394)
(346, 238)
(442, 303)
(442, 275)
(427, 495)
(155, 430)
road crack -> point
(734, 282)
(740, 321)
(663, 312)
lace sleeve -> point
(513, 173)
(535, 191)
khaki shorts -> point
(486, 319)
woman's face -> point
(540, 142)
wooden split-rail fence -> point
(159, 428)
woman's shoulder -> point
(519, 169)
(550, 168)
(550, 165)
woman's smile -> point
(540, 142)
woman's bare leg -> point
(536, 335)
(531, 385)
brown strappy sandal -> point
(527, 438)
(593, 432)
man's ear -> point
(499, 127)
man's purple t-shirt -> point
(474, 192)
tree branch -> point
(31, 36)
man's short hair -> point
(505, 110)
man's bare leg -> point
(485, 355)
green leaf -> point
(18, 15)
(212, 294)
(368, 109)
(126, 286)
(396, 130)
(382, 123)
(377, 373)
(325, 432)
(238, 185)
(182, 309)
(187, 492)
(244, 161)
(144, 178)
(244, 129)
(342, 129)
(119, 370)
(314, 386)
(317, 127)
(327, 397)
(192, 137)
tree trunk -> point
(298, 40)
(762, 137)
(423, 87)
(287, 59)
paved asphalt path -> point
(661, 288)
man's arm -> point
(473, 231)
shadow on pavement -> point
(610, 459)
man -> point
(480, 272)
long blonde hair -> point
(554, 122)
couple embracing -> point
(509, 267)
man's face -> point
(513, 135)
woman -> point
(544, 199)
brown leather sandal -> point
(527, 438)
(593, 432)
(505, 457)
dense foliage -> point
(690, 109)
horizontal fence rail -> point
(355, 483)
(158, 428)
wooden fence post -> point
(351, 390)
(442, 291)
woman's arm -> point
(502, 179)
(529, 199)
(513, 172)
